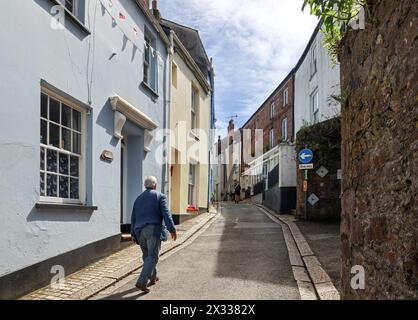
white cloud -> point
(254, 44)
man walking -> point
(150, 220)
(237, 192)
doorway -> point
(131, 169)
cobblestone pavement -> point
(240, 256)
(107, 271)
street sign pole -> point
(306, 195)
(305, 159)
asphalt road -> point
(242, 255)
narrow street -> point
(242, 255)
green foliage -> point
(324, 139)
(336, 16)
(341, 99)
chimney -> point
(155, 10)
(231, 127)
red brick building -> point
(274, 117)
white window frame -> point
(273, 110)
(314, 60)
(285, 97)
(75, 6)
(194, 110)
(147, 59)
(314, 102)
(192, 184)
(284, 129)
(271, 138)
(82, 162)
(150, 61)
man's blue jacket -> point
(151, 208)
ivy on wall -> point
(324, 139)
(336, 16)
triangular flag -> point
(121, 16)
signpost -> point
(306, 156)
(305, 160)
(308, 166)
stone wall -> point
(380, 152)
(325, 140)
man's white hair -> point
(150, 182)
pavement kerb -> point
(112, 278)
(304, 257)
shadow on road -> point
(241, 256)
(131, 294)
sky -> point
(254, 45)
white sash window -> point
(62, 150)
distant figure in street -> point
(150, 220)
(237, 192)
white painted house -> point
(317, 80)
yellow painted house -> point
(190, 114)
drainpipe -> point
(168, 110)
(211, 136)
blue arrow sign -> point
(306, 156)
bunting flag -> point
(128, 28)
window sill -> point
(72, 17)
(58, 206)
(149, 89)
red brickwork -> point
(262, 118)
